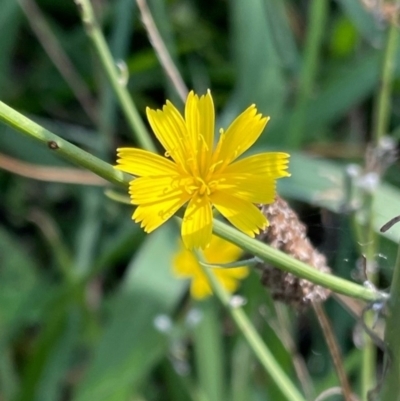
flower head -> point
(195, 172)
(185, 265)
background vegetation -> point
(89, 309)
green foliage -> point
(89, 308)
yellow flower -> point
(193, 172)
(185, 265)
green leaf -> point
(321, 182)
(45, 344)
(209, 351)
(18, 277)
(259, 78)
(349, 85)
(51, 383)
(10, 18)
(131, 344)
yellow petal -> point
(221, 251)
(235, 272)
(267, 165)
(185, 264)
(157, 203)
(242, 214)
(200, 288)
(153, 216)
(240, 135)
(197, 223)
(200, 120)
(250, 188)
(145, 190)
(170, 129)
(143, 163)
(226, 280)
(229, 283)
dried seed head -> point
(288, 234)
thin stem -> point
(390, 386)
(122, 26)
(317, 18)
(161, 50)
(382, 113)
(264, 355)
(111, 70)
(53, 236)
(283, 329)
(334, 350)
(287, 263)
(370, 239)
(383, 103)
(61, 146)
(368, 361)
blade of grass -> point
(391, 372)
(50, 386)
(240, 383)
(209, 352)
(277, 374)
(161, 50)
(283, 35)
(318, 14)
(9, 382)
(259, 75)
(43, 348)
(96, 36)
(119, 43)
(10, 18)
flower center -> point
(203, 187)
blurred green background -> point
(89, 309)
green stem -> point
(317, 18)
(382, 113)
(368, 360)
(279, 259)
(108, 64)
(122, 24)
(289, 264)
(62, 147)
(390, 386)
(261, 351)
(383, 103)
(383, 106)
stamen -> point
(212, 185)
(203, 186)
(219, 145)
(190, 188)
(215, 165)
(203, 142)
(204, 158)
